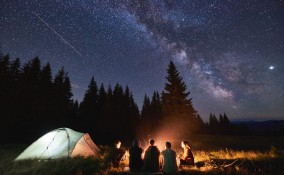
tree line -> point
(33, 102)
(223, 125)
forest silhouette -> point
(34, 102)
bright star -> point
(271, 67)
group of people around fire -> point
(154, 160)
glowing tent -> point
(61, 142)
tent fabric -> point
(59, 143)
(83, 149)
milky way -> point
(229, 53)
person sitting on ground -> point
(116, 154)
(187, 157)
(135, 158)
(151, 158)
(169, 161)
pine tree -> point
(134, 114)
(199, 122)
(4, 85)
(156, 107)
(119, 118)
(226, 125)
(145, 108)
(35, 70)
(62, 95)
(1, 54)
(46, 91)
(4, 66)
(29, 101)
(108, 104)
(221, 120)
(15, 70)
(88, 107)
(14, 84)
(145, 124)
(226, 120)
(75, 110)
(213, 124)
(67, 89)
(213, 121)
(129, 118)
(46, 76)
(175, 99)
(177, 107)
(101, 101)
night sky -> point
(230, 53)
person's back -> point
(116, 154)
(169, 160)
(151, 158)
(135, 159)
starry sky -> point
(230, 53)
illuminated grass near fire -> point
(225, 158)
(254, 155)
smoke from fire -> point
(171, 130)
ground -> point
(213, 154)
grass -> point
(60, 166)
(64, 166)
(214, 154)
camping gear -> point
(60, 143)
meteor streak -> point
(58, 34)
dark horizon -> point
(34, 101)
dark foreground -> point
(91, 166)
(239, 167)
(213, 160)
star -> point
(219, 49)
